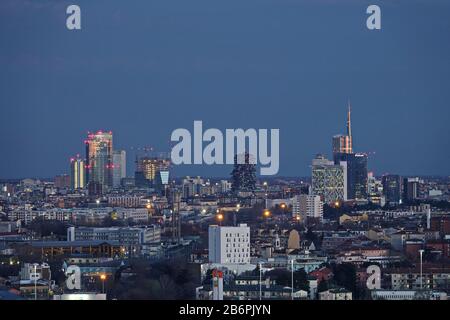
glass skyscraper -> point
(99, 158)
(356, 174)
(119, 167)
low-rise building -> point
(336, 294)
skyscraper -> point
(77, 173)
(99, 158)
(411, 189)
(328, 180)
(119, 167)
(356, 163)
(148, 169)
(243, 175)
(392, 188)
(344, 143)
(356, 174)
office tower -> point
(356, 163)
(328, 180)
(243, 175)
(341, 144)
(62, 181)
(192, 186)
(147, 169)
(77, 173)
(99, 151)
(229, 244)
(356, 174)
(161, 181)
(344, 143)
(225, 186)
(308, 206)
(374, 189)
(392, 188)
(410, 189)
(175, 202)
(119, 167)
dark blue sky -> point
(143, 68)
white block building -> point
(229, 245)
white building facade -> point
(229, 244)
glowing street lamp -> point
(219, 217)
(266, 213)
(103, 279)
(283, 206)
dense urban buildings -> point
(236, 237)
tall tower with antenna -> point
(344, 143)
(349, 129)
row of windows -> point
(239, 245)
(237, 250)
(236, 234)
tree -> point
(345, 276)
(45, 228)
(284, 277)
(108, 221)
(323, 286)
(166, 280)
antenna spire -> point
(349, 120)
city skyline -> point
(342, 143)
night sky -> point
(143, 68)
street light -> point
(292, 279)
(219, 217)
(421, 277)
(103, 279)
(266, 213)
(260, 281)
(35, 281)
